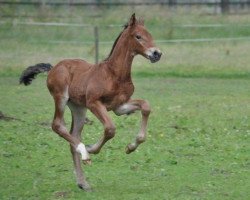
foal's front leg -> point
(100, 111)
(130, 107)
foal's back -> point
(62, 75)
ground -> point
(197, 145)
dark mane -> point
(116, 40)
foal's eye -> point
(138, 37)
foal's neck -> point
(120, 61)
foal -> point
(103, 87)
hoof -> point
(85, 187)
(87, 162)
(130, 148)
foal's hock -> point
(102, 87)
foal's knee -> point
(145, 108)
(57, 127)
(109, 131)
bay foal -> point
(103, 87)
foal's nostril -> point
(157, 54)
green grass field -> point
(197, 146)
(199, 130)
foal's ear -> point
(132, 20)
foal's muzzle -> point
(156, 56)
(153, 54)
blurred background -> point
(197, 37)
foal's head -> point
(141, 41)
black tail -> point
(31, 72)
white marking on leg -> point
(125, 109)
(83, 151)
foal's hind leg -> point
(78, 119)
(58, 126)
(129, 108)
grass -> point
(198, 136)
(197, 146)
